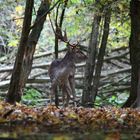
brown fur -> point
(62, 72)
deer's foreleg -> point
(64, 93)
(53, 90)
(68, 91)
(72, 85)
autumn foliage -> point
(51, 118)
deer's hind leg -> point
(53, 91)
(72, 85)
(64, 94)
(68, 92)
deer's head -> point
(74, 49)
(77, 53)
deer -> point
(62, 71)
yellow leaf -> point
(62, 138)
(1, 107)
(18, 104)
(19, 8)
(2, 120)
(13, 43)
(121, 7)
(72, 115)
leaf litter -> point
(23, 119)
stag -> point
(62, 71)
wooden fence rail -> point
(111, 72)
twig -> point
(48, 11)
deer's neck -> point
(69, 58)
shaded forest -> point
(70, 65)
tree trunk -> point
(56, 42)
(14, 93)
(28, 52)
(138, 90)
(134, 45)
(59, 25)
(90, 64)
(56, 47)
(101, 55)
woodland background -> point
(107, 84)
(79, 17)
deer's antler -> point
(64, 38)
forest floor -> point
(20, 120)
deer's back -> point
(60, 71)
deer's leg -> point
(67, 100)
(53, 90)
(56, 97)
(72, 85)
(64, 92)
(68, 91)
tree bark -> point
(90, 64)
(134, 45)
(21, 73)
(101, 55)
(57, 42)
(33, 38)
(14, 93)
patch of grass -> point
(31, 96)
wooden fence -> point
(115, 76)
